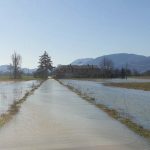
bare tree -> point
(106, 66)
(16, 65)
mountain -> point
(28, 71)
(83, 61)
(134, 62)
(4, 69)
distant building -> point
(74, 71)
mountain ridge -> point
(4, 69)
(137, 62)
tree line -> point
(109, 71)
(105, 69)
(44, 67)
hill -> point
(4, 69)
(135, 62)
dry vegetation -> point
(134, 85)
(140, 77)
(24, 78)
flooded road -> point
(129, 103)
(55, 118)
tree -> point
(45, 66)
(123, 73)
(16, 65)
(106, 66)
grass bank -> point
(24, 78)
(132, 85)
(14, 108)
(113, 113)
(140, 77)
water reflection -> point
(13, 91)
(55, 118)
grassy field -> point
(134, 85)
(24, 78)
(140, 77)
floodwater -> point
(130, 103)
(54, 118)
(11, 91)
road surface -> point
(54, 118)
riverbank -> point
(15, 106)
(103, 99)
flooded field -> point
(12, 91)
(133, 104)
(54, 118)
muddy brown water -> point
(54, 118)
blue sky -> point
(71, 29)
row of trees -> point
(45, 66)
(108, 71)
(104, 70)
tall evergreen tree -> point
(45, 65)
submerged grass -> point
(113, 113)
(14, 108)
(131, 85)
